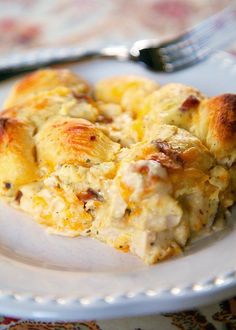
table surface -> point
(26, 24)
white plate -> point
(58, 278)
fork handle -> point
(17, 64)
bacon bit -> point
(143, 169)
(166, 161)
(83, 97)
(104, 120)
(124, 248)
(165, 148)
(35, 131)
(128, 211)
(85, 196)
(7, 185)
(19, 194)
(92, 138)
(191, 102)
(35, 155)
(3, 123)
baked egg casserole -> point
(142, 167)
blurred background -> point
(27, 24)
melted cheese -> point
(120, 167)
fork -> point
(179, 53)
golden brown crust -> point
(222, 113)
(215, 125)
(59, 101)
(181, 149)
(162, 195)
(59, 161)
(73, 141)
(3, 123)
(17, 159)
(212, 120)
(45, 80)
(173, 104)
(129, 91)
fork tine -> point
(198, 43)
(185, 62)
(191, 47)
(226, 17)
(186, 40)
(208, 41)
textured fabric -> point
(216, 317)
(27, 24)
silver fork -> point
(176, 54)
